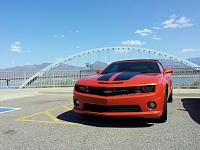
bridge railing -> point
(186, 78)
(182, 78)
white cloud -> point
(190, 50)
(132, 42)
(59, 36)
(175, 22)
(155, 37)
(156, 28)
(144, 32)
(184, 22)
(16, 47)
(78, 47)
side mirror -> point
(168, 70)
(99, 72)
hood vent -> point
(110, 82)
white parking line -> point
(7, 109)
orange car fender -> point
(161, 87)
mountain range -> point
(38, 67)
(195, 60)
(94, 66)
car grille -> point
(101, 108)
(109, 91)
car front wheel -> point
(163, 117)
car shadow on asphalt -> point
(99, 121)
(192, 106)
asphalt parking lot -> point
(46, 121)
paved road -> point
(45, 121)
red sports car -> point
(128, 88)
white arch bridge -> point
(111, 50)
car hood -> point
(121, 79)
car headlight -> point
(145, 89)
(82, 89)
(148, 88)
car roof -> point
(140, 60)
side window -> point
(161, 66)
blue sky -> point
(37, 31)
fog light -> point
(76, 102)
(151, 105)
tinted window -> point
(162, 68)
(144, 67)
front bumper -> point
(140, 100)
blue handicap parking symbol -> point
(6, 109)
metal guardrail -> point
(182, 78)
(186, 78)
(56, 78)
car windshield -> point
(132, 66)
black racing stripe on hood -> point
(105, 77)
(126, 75)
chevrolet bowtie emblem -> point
(107, 91)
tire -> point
(170, 99)
(163, 117)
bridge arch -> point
(92, 51)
